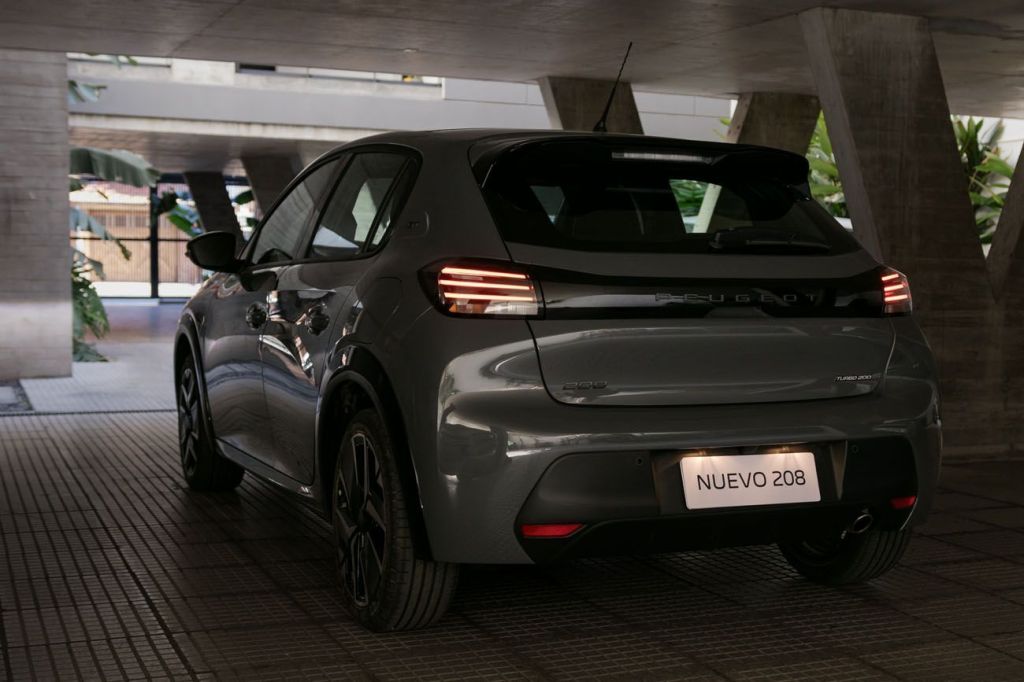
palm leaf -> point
(80, 221)
(243, 198)
(116, 165)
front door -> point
(231, 357)
(317, 303)
(234, 353)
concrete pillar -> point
(1006, 257)
(775, 119)
(268, 176)
(1006, 270)
(35, 259)
(881, 90)
(213, 203)
(577, 103)
(770, 119)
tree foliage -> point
(988, 173)
(824, 179)
(88, 312)
(986, 170)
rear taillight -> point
(895, 293)
(487, 290)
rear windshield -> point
(591, 196)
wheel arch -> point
(363, 383)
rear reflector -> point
(487, 291)
(903, 502)
(550, 530)
(896, 293)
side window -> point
(354, 209)
(280, 237)
(393, 205)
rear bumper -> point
(517, 457)
(633, 502)
(483, 432)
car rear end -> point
(706, 358)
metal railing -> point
(124, 211)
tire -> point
(849, 560)
(385, 586)
(202, 466)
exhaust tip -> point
(861, 524)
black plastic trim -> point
(633, 501)
(566, 295)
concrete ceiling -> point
(712, 47)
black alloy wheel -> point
(360, 519)
(188, 421)
(203, 467)
(387, 583)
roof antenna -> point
(602, 124)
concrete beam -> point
(268, 176)
(577, 103)
(213, 203)
(882, 93)
(775, 119)
(35, 261)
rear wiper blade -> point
(738, 239)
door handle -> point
(317, 320)
(256, 315)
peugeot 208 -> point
(489, 347)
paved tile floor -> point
(139, 375)
(111, 569)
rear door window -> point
(357, 212)
(594, 197)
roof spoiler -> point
(741, 160)
(786, 167)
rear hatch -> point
(686, 275)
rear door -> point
(316, 303)
(674, 278)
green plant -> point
(87, 307)
(689, 195)
(988, 173)
(118, 166)
(88, 312)
(182, 216)
(824, 177)
(243, 198)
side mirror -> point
(214, 251)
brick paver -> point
(112, 569)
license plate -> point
(711, 481)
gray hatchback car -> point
(493, 347)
